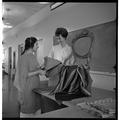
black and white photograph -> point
(59, 59)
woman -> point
(27, 77)
(62, 51)
(72, 81)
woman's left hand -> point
(42, 72)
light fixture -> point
(44, 3)
(56, 5)
(7, 26)
(7, 23)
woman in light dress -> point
(62, 51)
(27, 78)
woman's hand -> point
(42, 67)
(38, 71)
(42, 72)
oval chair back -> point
(82, 47)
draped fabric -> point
(40, 52)
(52, 66)
(29, 101)
(17, 79)
(74, 82)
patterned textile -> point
(74, 82)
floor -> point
(22, 115)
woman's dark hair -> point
(4, 73)
(29, 43)
(61, 31)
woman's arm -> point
(39, 71)
(51, 53)
(70, 58)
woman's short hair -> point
(29, 43)
(61, 31)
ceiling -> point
(15, 13)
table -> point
(69, 109)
